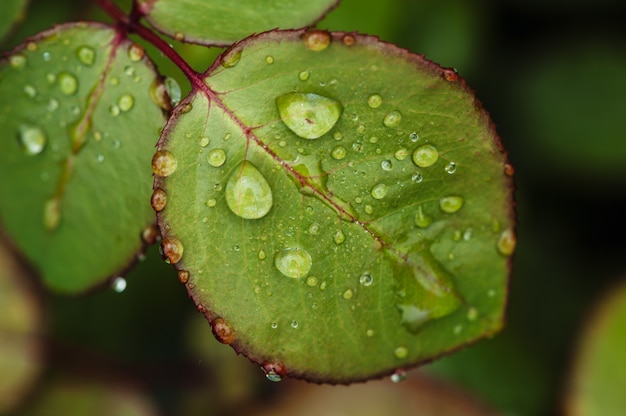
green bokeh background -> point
(551, 73)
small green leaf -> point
(215, 22)
(79, 119)
(12, 12)
(360, 217)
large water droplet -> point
(338, 153)
(173, 90)
(86, 55)
(392, 119)
(216, 157)
(293, 262)
(451, 204)
(308, 115)
(248, 194)
(223, 331)
(119, 284)
(172, 249)
(126, 102)
(31, 139)
(507, 242)
(164, 163)
(374, 100)
(158, 199)
(231, 58)
(379, 191)
(68, 83)
(425, 156)
(421, 219)
(316, 40)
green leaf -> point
(215, 22)
(597, 387)
(79, 123)
(12, 12)
(359, 216)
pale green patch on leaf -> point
(13, 11)
(217, 22)
(79, 121)
(371, 254)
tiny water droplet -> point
(425, 156)
(457, 329)
(172, 249)
(386, 165)
(417, 177)
(303, 75)
(274, 371)
(374, 100)
(30, 91)
(118, 284)
(262, 255)
(314, 229)
(52, 214)
(222, 331)
(173, 90)
(399, 376)
(100, 158)
(467, 234)
(204, 142)
(509, 170)
(401, 352)
(369, 209)
(227, 137)
(316, 40)
(164, 163)
(421, 219)
(414, 136)
(293, 262)
(150, 234)
(114, 81)
(17, 61)
(366, 279)
(135, 52)
(158, 199)
(347, 294)
(507, 242)
(338, 153)
(401, 153)
(348, 40)
(211, 202)
(183, 276)
(472, 314)
(114, 110)
(337, 135)
(231, 58)
(31, 139)
(269, 59)
(159, 95)
(126, 102)
(31, 46)
(369, 333)
(451, 168)
(274, 325)
(323, 286)
(179, 36)
(216, 157)
(68, 83)
(294, 324)
(308, 115)
(53, 104)
(248, 194)
(86, 55)
(339, 237)
(379, 191)
(311, 281)
(451, 204)
(392, 119)
(46, 56)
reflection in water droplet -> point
(52, 214)
(425, 156)
(401, 352)
(119, 284)
(293, 262)
(308, 115)
(248, 194)
(159, 95)
(164, 163)
(135, 52)
(158, 199)
(222, 331)
(126, 102)
(366, 279)
(451, 168)
(68, 83)
(172, 249)
(507, 242)
(316, 40)
(451, 204)
(392, 119)
(216, 157)
(86, 55)
(17, 61)
(374, 100)
(338, 153)
(339, 237)
(303, 75)
(421, 219)
(31, 139)
(379, 191)
(173, 90)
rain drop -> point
(366, 279)
(274, 371)
(399, 376)
(114, 110)
(316, 40)
(216, 157)
(374, 100)
(173, 90)
(262, 254)
(414, 136)
(451, 168)
(451, 204)
(30, 91)
(164, 163)
(303, 75)
(183, 276)
(248, 194)
(294, 324)
(67, 83)
(392, 119)
(311, 281)
(339, 237)
(401, 352)
(293, 262)
(386, 165)
(52, 214)
(314, 229)
(211, 202)
(86, 55)
(425, 156)
(507, 242)
(222, 331)
(172, 249)
(17, 61)
(472, 314)
(158, 199)
(421, 219)
(135, 52)
(231, 58)
(118, 284)
(204, 142)
(338, 153)
(31, 139)
(379, 191)
(308, 115)
(269, 59)
(126, 102)
(401, 153)
(347, 295)
(348, 40)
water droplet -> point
(308, 115)
(421, 219)
(86, 55)
(248, 194)
(135, 52)
(316, 40)
(347, 295)
(303, 75)
(348, 40)
(31, 46)
(114, 81)
(451, 204)
(159, 95)
(274, 325)
(17, 61)
(68, 83)
(100, 158)
(173, 90)
(274, 371)
(262, 254)
(30, 91)
(379, 191)
(269, 59)
(366, 279)
(339, 237)
(204, 142)
(425, 156)
(52, 214)
(118, 284)
(126, 102)
(509, 170)
(164, 163)
(179, 36)
(451, 168)
(392, 119)
(467, 234)
(338, 153)
(172, 249)
(183, 276)
(211, 202)
(293, 262)
(414, 136)
(369, 209)
(222, 331)
(323, 286)
(227, 137)
(401, 153)
(337, 135)
(216, 157)
(31, 139)
(417, 177)
(114, 110)
(507, 242)
(450, 75)
(401, 352)
(46, 56)
(314, 229)
(231, 58)
(472, 314)
(457, 329)
(294, 324)
(399, 376)
(386, 165)
(369, 333)
(53, 104)
(311, 281)
(158, 199)
(374, 100)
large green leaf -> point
(337, 206)
(216, 22)
(79, 123)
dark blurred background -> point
(552, 73)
